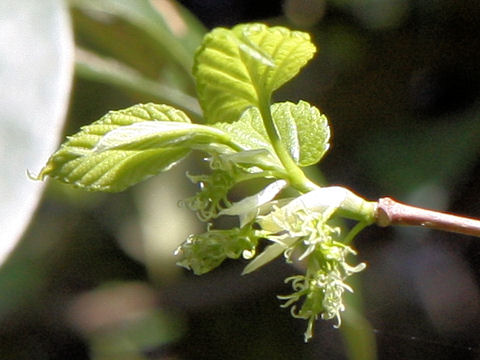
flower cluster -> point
(212, 197)
(299, 228)
(228, 169)
(321, 288)
(204, 252)
(302, 229)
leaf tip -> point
(34, 177)
(44, 172)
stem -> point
(97, 68)
(297, 177)
(391, 212)
(354, 232)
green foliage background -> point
(94, 276)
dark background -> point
(399, 82)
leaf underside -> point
(303, 130)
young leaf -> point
(233, 68)
(160, 134)
(303, 130)
(127, 146)
(250, 133)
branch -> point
(94, 67)
(390, 212)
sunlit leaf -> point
(250, 133)
(160, 134)
(303, 130)
(234, 68)
(248, 130)
(85, 162)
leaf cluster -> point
(233, 69)
(244, 137)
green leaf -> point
(248, 131)
(162, 30)
(234, 68)
(108, 156)
(250, 134)
(303, 130)
(160, 134)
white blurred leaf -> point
(36, 57)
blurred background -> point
(94, 277)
